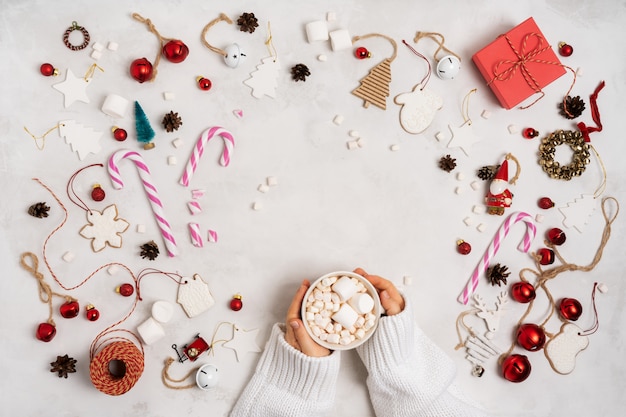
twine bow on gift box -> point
(525, 57)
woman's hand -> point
(296, 335)
(390, 298)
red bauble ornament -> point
(69, 309)
(48, 70)
(546, 256)
(570, 309)
(175, 51)
(463, 247)
(119, 134)
(545, 203)
(531, 337)
(362, 53)
(204, 83)
(565, 49)
(516, 368)
(523, 292)
(125, 289)
(141, 70)
(97, 193)
(92, 313)
(46, 332)
(236, 303)
(556, 236)
(530, 133)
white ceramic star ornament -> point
(73, 88)
(463, 137)
(104, 228)
(243, 341)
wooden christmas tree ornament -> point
(374, 87)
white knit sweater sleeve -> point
(408, 375)
(287, 382)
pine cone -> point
(64, 365)
(247, 22)
(171, 121)
(487, 172)
(447, 163)
(574, 105)
(299, 72)
(150, 250)
(497, 274)
(39, 210)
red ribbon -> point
(595, 115)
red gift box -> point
(518, 64)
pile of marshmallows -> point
(339, 310)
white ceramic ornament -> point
(418, 109)
(207, 377)
(576, 214)
(83, 140)
(73, 88)
(491, 317)
(104, 228)
(448, 67)
(263, 81)
(463, 137)
(194, 296)
(235, 55)
(563, 348)
(243, 341)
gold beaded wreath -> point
(580, 157)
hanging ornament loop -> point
(66, 37)
(426, 78)
(439, 39)
(177, 278)
(152, 29)
(465, 110)
(221, 18)
(42, 137)
(91, 71)
(372, 35)
(70, 189)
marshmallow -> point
(352, 144)
(322, 58)
(475, 185)
(539, 218)
(112, 270)
(177, 142)
(354, 134)
(486, 114)
(346, 316)
(479, 209)
(602, 287)
(141, 228)
(360, 333)
(345, 288)
(112, 46)
(272, 181)
(150, 331)
(257, 206)
(115, 106)
(440, 136)
(362, 303)
(481, 227)
(96, 55)
(97, 46)
(171, 160)
(68, 256)
(468, 221)
(167, 95)
(513, 129)
(340, 39)
(316, 31)
(162, 311)
(407, 280)
(333, 338)
(338, 120)
(394, 147)
(460, 176)
(262, 188)
(331, 16)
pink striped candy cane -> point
(198, 150)
(482, 266)
(151, 192)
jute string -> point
(221, 18)
(166, 378)
(439, 39)
(372, 35)
(162, 41)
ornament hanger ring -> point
(66, 37)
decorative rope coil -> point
(125, 352)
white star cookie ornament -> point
(73, 88)
(104, 228)
(243, 341)
(418, 108)
(462, 137)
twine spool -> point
(116, 368)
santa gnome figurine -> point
(499, 196)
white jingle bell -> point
(448, 67)
(207, 377)
(234, 55)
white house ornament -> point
(104, 228)
(194, 296)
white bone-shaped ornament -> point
(563, 348)
(418, 109)
(194, 296)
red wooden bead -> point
(125, 289)
(175, 51)
(204, 83)
(545, 203)
(45, 332)
(556, 236)
(69, 309)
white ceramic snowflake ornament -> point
(104, 228)
(73, 88)
(243, 341)
(418, 109)
(462, 137)
(83, 140)
(576, 214)
(263, 80)
(194, 296)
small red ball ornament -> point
(545, 203)
(141, 70)
(119, 134)
(236, 303)
(556, 236)
(48, 70)
(175, 51)
(125, 289)
(565, 49)
(516, 368)
(523, 292)
(570, 309)
(530, 133)
(45, 332)
(362, 53)
(463, 247)
(531, 337)
(204, 83)
(91, 313)
(97, 193)
(69, 309)
(546, 256)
